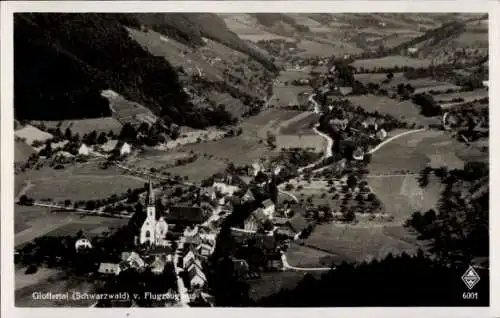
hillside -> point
(191, 28)
(80, 55)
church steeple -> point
(150, 200)
(151, 203)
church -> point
(154, 229)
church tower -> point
(148, 229)
(150, 203)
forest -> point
(63, 61)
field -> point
(199, 169)
(156, 159)
(326, 48)
(30, 133)
(52, 282)
(421, 85)
(83, 187)
(391, 61)
(250, 145)
(246, 28)
(361, 243)
(289, 95)
(174, 52)
(404, 110)
(401, 195)
(232, 105)
(22, 151)
(299, 125)
(32, 222)
(316, 142)
(445, 99)
(125, 110)
(84, 126)
(303, 256)
(415, 151)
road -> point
(388, 140)
(286, 265)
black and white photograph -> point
(268, 159)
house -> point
(268, 208)
(208, 193)
(340, 124)
(109, 145)
(188, 257)
(294, 225)
(241, 267)
(158, 265)
(82, 243)
(358, 154)
(135, 261)
(161, 251)
(381, 134)
(485, 84)
(225, 188)
(206, 248)
(83, 150)
(196, 277)
(109, 269)
(193, 262)
(343, 90)
(122, 148)
(266, 242)
(248, 196)
(370, 123)
(255, 221)
(412, 50)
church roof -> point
(267, 203)
(187, 214)
(161, 250)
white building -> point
(82, 243)
(268, 208)
(109, 268)
(153, 230)
(123, 148)
(83, 150)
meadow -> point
(391, 61)
(403, 110)
(82, 187)
(84, 126)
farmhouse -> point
(117, 147)
(294, 225)
(158, 265)
(268, 208)
(412, 50)
(109, 269)
(255, 220)
(196, 277)
(82, 243)
(83, 150)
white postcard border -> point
(7, 148)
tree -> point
(271, 140)
(67, 134)
(128, 133)
(389, 76)
(102, 139)
(352, 181)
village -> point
(275, 180)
